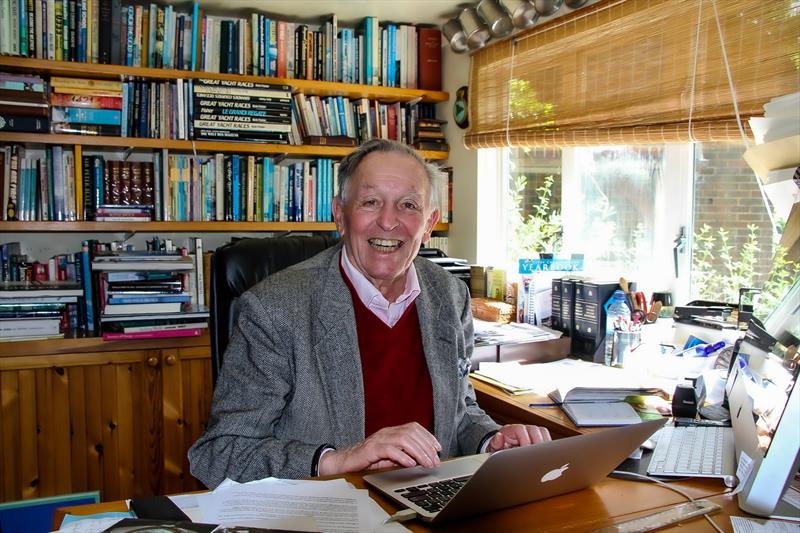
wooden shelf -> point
(169, 227)
(200, 146)
(116, 72)
(91, 345)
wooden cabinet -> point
(87, 415)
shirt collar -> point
(370, 295)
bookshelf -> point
(125, 412)
(47, 68)
(129, 409)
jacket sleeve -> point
(249, 398)
(473, 424)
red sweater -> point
(397, 385)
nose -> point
(388, 219)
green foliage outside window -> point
(541, 231)
(718, 271)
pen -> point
(544, 404)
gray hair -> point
(349, 165)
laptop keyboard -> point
(433, 496)
(692, 451)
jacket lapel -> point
(337, 356)
(438, 342)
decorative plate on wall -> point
(460, 108)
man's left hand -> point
(514, 435)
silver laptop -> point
(486, 482)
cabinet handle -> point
(170, 360)
(152, 361)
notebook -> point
(486, 482)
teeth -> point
(387, 244)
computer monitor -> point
(764, 401)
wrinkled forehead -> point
(393, 172)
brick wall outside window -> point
(727, 196)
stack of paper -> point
(776, 156)
(294, 505)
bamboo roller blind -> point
(621, 72)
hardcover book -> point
(429, 59)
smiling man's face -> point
(385, 218)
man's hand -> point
(406, 445)
(513, 435)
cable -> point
(402, 515)
(694, 69)
(510, 92)
(666, 485)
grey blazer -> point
(291, 376)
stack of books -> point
(23, 104)
(85, 106)
(428, 135)
(150, 294)
(38, 310)
(241, 111)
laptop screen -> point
(764, 401)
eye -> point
(369, 202)
(410, 205)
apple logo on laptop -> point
(555, 473)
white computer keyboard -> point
(704, 451)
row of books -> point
(247, 188)
(119, 294)
(361, 119)
(207, 109)
(108, 31)
(60, 184)
(56, 183)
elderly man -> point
(359, 357)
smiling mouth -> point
(385, 245)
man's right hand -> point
(406, 445)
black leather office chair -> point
(239, 265)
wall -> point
(463, 240)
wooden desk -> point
(609, 502)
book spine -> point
(199, 273)
(22, 124)
(263, 127)
(232, 99)
(86, 115)
(89, 101)
(168, 333)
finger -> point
(420, 444)
(539, 434)
(382, 464)
(425, 437)
(497, 442)
(421, 451)
(523, 437)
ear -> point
(338, 215)
(433, 218)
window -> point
(679, 217)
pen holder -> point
(622, 344)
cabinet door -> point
(187, 402)
(119, 422)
